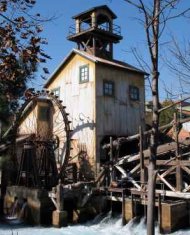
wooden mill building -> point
(103, 96)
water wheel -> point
(40, 137)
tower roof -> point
(105, 7)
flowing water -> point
(99, 226)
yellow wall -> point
(80, 104)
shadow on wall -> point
(79, 127)
(85, 169)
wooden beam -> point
(162, 149)
(186, 189)
(122, 140)
(135, 169)
(178, 177)
(168, 171)
(186, 169)
(123, 208)
(159, 213)
(171, 163)
(167, 193)
(166, 182)
(174, 103)
(141, 155)
(128, 176)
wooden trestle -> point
(172, 182)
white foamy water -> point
(105, 226)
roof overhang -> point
(118, 64)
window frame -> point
(134, 91)
(85, 75)
(108, 82)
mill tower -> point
(95, 32)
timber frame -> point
(173, 168)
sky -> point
(132, 31)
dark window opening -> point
(43, 113)
(108, 88)
(134, 93)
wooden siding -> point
(118, 115)
(79, 99)
(92, 114)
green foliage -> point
(167, 115)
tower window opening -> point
(103, 22)
(85, 24)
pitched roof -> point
(95, 59)
(94, 9)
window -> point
(84, 73)
(108, 88)
(134, 93)
(43, 113)
(56, 91)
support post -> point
(59, 196)
(178, 168)
(159, 213)
(132, 201)
(111, 159)
(59, 216)
(142, 176)
(123, 208)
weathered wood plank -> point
(135, 169)
(126, 175)
(166, 182)
(167, 193)
(136, 136)
(171, 163)
(186, 169)
(168, 171)
(162, 149)
(186, 189)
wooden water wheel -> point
(43, 126)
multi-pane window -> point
(84, 73)
(108, 88)
(56, 91)
(134, 93)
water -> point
(99, 226)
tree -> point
(20, 50)
(155, 16)
(180, 65)
(168, 114)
